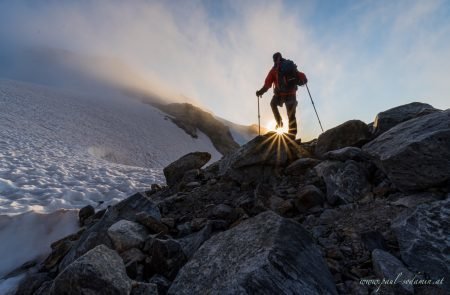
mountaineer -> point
(285, 78)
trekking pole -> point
(314, 107)
(259, 119)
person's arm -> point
(302, 80)
(267, 83)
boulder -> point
(258, 159)
(350, 133)
(415, 155)
(300, 166)
(308, 197)
(167, 257)
(97, 233)
(266, 254)
(99, 271)
(153, 224)
(31, 283)
(144, 289)
(223, 211)
(413, 200)
(127, 234)
(392, 117)
(85, 213)
(347, 153)
(423, 237)
(387, 266)
(176, 170)
(346, 182)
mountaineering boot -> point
(279, 125)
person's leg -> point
(291, 105)
(274, 103)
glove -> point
(260, 92)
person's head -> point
(276, 57)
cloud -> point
(360, 57)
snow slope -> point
(63, 150)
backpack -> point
(288, 77)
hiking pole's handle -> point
(314, 106)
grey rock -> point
(99, 271)
(176, 170)
(127, 234)
(300, 166)
(44, 289)
(350, 133)
(258, 159)
(347, 153)
(162, 283)
(415, 155)
(97, 233)
(423, 237)
(153, 224)
(224, 212)
(414, 200)
(32, 282)
(191, 243)
(345, 182)
(307, 197)
(389, 267)
(392, 117)
(85, 213)
(141, 288)
(266, 254)
(167, 257)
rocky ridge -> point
(343, 214)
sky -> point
(360, 57)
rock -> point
(266, 253)
(423, 237)
(257, 160)
(144, 289)
(31, 283)
(415, 155)
(373, 240)
(97, 233)
(44, 289)
(99, 271)
(347, 153)
(169, 222)
(131, 258)
(161, 282)
(307, 197)
(300, 166)
(224, 212)
(167, 257)
(350, 133)
(413, 200)
(176, 170)
(192, 184)
(85, 213)
(191, 243)
(127, 234)
(387, 266)
(60, 250)
(154, 225)
(191, 176)
(346, 182)
(392, 117)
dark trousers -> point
(291, 105)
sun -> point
(271, 127)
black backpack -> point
(287, 75)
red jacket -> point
(272, 78)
